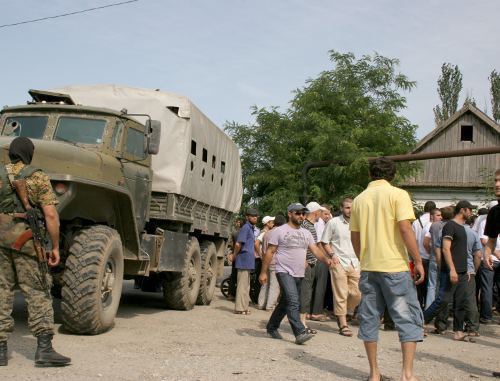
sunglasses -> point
(299, 213)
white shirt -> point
(417, 228)
(480, 231)
(338, 236)
(320, 227)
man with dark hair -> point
(382, 238)
(20, 266)
(290, 243)
(418, 227)
(453, 277)
(432, 270)
(245, 261)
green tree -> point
(449, 87)
(348, 113)
(495, 94)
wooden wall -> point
(459, 171)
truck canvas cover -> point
(212, 175)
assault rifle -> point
(36, 222)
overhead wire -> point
(68, 14)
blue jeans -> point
(432, 311)
(432, 282)
(289, 304)
(486, 279)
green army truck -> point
(147, 188)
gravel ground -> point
(211, 343)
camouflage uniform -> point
(22, 267)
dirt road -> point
(211, 343)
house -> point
(448, 180)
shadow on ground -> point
(326, 365)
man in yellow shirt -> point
(382, 237)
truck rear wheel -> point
(208, 273)
(92, 280)
(180, 289)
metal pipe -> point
(397, 158)
(442, 154)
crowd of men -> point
(384, 265)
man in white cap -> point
(267, 225)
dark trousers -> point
(487, 278)
(455, 293)
(320, 282)
(289, 304)
(471, 312)
(422, 287)
(233, 280)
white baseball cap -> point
(313, 206)
(266, 219)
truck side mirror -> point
(153, 133)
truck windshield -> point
(28, 126)
(79, 130)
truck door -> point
(137, 172)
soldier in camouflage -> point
(21, 266)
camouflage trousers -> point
(22, 270)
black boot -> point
(46, 355)
(3, 353)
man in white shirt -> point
(418, 227)
(345, 272)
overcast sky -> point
(227, 55)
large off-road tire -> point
(208, 273)
(180, 289)
(92, 280)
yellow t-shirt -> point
(375, 215)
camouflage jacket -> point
(40, 194)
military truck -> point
(147, 188)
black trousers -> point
(422, 287)
(456, 293)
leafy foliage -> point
(347, 114)
(495, 94)
(449, 87)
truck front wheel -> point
(92, 280)
(180, 289)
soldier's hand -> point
(263, 278)
(53, 257)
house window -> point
(214, 160)
(466, 133)
(193, 147)
(205, 155)
(223, 166)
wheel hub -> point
(108, 281)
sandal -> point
(345, 331)
(311, 331)
(242, 312)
